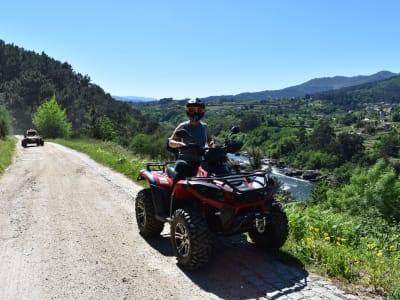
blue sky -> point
(186, 48)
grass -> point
(7, 147)
(109, 154)
(346, 248)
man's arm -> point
(173, 140)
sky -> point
(199, 48)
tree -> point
(323, 137)
(104, 129)
(350, 145)
(249, 121)
(388, 146)
(51, 120)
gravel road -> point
(67, 231)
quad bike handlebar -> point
(217, 153)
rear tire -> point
(145, 215)
(192, 241)
(275, 233)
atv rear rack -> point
(158, 166)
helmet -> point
(195, 109)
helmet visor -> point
(195, 109)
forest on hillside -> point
(27, 79)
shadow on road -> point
(239, 270)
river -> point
(300, 189)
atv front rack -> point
(239, 183)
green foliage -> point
(110, 154)
(5, 123)
(323, 137)
(373, 192)
(249, 121)
(104, 129)
(51, 120)
(349, 146)
(387, 146)
(7, 147)
(153, 146)
(360, 250)
(315, 159)
(26, 78)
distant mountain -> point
(382, 91)
(312, 86)
(133, 98)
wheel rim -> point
(141, 212)
(182, 240)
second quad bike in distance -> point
(32, 137)
(219, 200)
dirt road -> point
(67, 231)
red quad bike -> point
(218, 200)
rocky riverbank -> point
(310, 175)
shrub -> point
(51, 120)
(5, 123)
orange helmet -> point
(195, 109)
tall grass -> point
(357, 250)
(7, 147)
(110, 154)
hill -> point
(133, 98)
(312, 86)
(383, 91)
(27, 79)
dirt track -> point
(67, 231)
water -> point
(300, 189)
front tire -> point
(275, 233)
(192, 241)
(145, 215)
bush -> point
(7, 146)
(51, 120)
(5, 123)
(104, 129)
(375, 190)
(153, 146)
(314, 159)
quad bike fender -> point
(206, 193)
(155, 178)
(161, 200)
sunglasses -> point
(195, 109)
